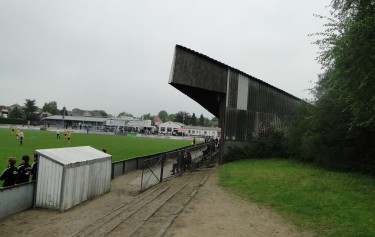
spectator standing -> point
(21, 136)
(176, 165)
(187, 161)
(10, 174)
(58, 133)
(24, 170)
(34, 167)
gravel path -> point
(187, 205)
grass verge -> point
(325, 202)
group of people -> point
(19, 134)
(16, 175)
(67, 134)
(183, 163)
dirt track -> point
(187, 205)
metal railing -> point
(163, 166)
(137, 163)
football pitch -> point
(120, 147)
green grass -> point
(327, 203)
(120, 147)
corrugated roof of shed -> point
(72, 155)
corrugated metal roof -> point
(76, 118)
(232, 68)
(171, 122)
(70, 155)
(203, 128)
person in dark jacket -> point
(34, 167)
(24, 170)
(176, 165)
(10, 174)
(187, 161)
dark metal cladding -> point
(244, 104)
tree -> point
(124, 113)
(201, 120)
(347, 54)
(339, 130)
(171, 117)
(193, 120)
(102, 113)
(147, 116)
(64, 111)
(183, 117)
(16, 113)
(215, 122)
(30, 110)
(207, 122)
(51, 108)
(163, 115)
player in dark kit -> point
(24, 170)
(10, 174)
(34, 167)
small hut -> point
(69, 176)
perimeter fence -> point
(155, 168)
(163, 166)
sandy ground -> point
(217, 212)
(212, 212)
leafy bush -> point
(323, 135)
(13, 121)
(338, 132)
(236, 153)
(270, 142)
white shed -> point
(69, 176)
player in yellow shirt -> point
(69, 136)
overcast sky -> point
(116, 55)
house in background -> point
(79, 112)
(15, 106)
(156, 120)
(3, 111)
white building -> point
(138, 125)
(168, 127)
(180, 129)
(214, 132)
(118, 122)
